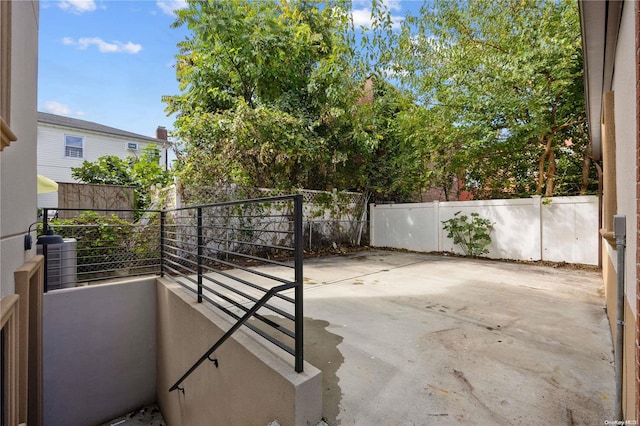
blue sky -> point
(111, 61)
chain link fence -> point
(331, 218)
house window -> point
(73, 146)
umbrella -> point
(46, 185)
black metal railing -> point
(210, 250)
(100, 244)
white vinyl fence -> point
(559, 229)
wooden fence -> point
(89, 196)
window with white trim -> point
(73, 146)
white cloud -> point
(103, 46)
(77, 6)
(362, 16)
(57, 108)
(170, 6)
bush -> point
(472, 236)
(104, 243)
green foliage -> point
(103, 242)
(107, 244)
(499, 95)
(140, 172)
(270, 96)
(472, 234)
(276, 94)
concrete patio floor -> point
(416, 339)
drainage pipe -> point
(620, 234)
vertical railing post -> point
(45, 220)
(163, 216)
(45, 228)
(298, 247)
(200, 243)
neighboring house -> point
(611, 45)
(64, 143)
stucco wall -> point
(253, 385)
(17, 161)
(99, 351)
(560, 229)
(624, 81)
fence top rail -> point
(233, 203)
(83, 209)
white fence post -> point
(537, 205)
(372, 222)
(437, 225)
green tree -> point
(499, 94)
(269, 91)
(140, 172)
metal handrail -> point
(274, 291)
(238, 324)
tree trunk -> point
(541, 165)
(586, 165)
(551, 174)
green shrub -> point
(472, 236)
(104, 243)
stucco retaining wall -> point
(253, 385)
(99, 351)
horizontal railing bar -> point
(238, 279)
(176, 256)
(245, 295)
(248, 216)
(232, 314)
(175, 271)
(181, 242)
(232, 228)
(250, 284)
(262, 333)
(180, 266)
(239, 305)
(261, 259)
(251, 244)
(237, 325)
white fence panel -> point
(516, 232)
(570, 230)
(560, 229)
(407, 226)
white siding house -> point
(65, 142)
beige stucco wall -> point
(624, 81)
(99, 351)
(623, 85)
(254, 385)
(18, 161)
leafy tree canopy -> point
(279, 94)
(501, 93)
(269, 90)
